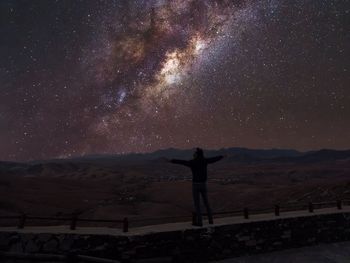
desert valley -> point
(148, 189)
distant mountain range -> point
(232, 154)
(239, 155)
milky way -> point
(88, 77)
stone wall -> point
(190, 245)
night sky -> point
(87, 77)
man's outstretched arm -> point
(183, 162)
(214, 159)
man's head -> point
(198, 153)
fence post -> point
(311, 207)
(22, 220)
(246, 213)
(277, 210)
(194, 218)
(73, 223)
(339, 205)
(125, 225)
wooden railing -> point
(278, 209)
(74, 219)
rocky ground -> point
(325, 253)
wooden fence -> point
(278, 209)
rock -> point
(17, 248)
(31, 247)
(251, 243)
(42, 238)
(156, 260)
(287, 234)
(50, 246)
(66, 243)
(4, 241)
(243, 238)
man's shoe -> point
(211, 222)
(197, 224)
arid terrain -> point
(324, 253)
(143, 187)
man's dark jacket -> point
(198, 167)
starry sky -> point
(88, 77)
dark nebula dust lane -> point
(87, 77)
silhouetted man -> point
(198, 166)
